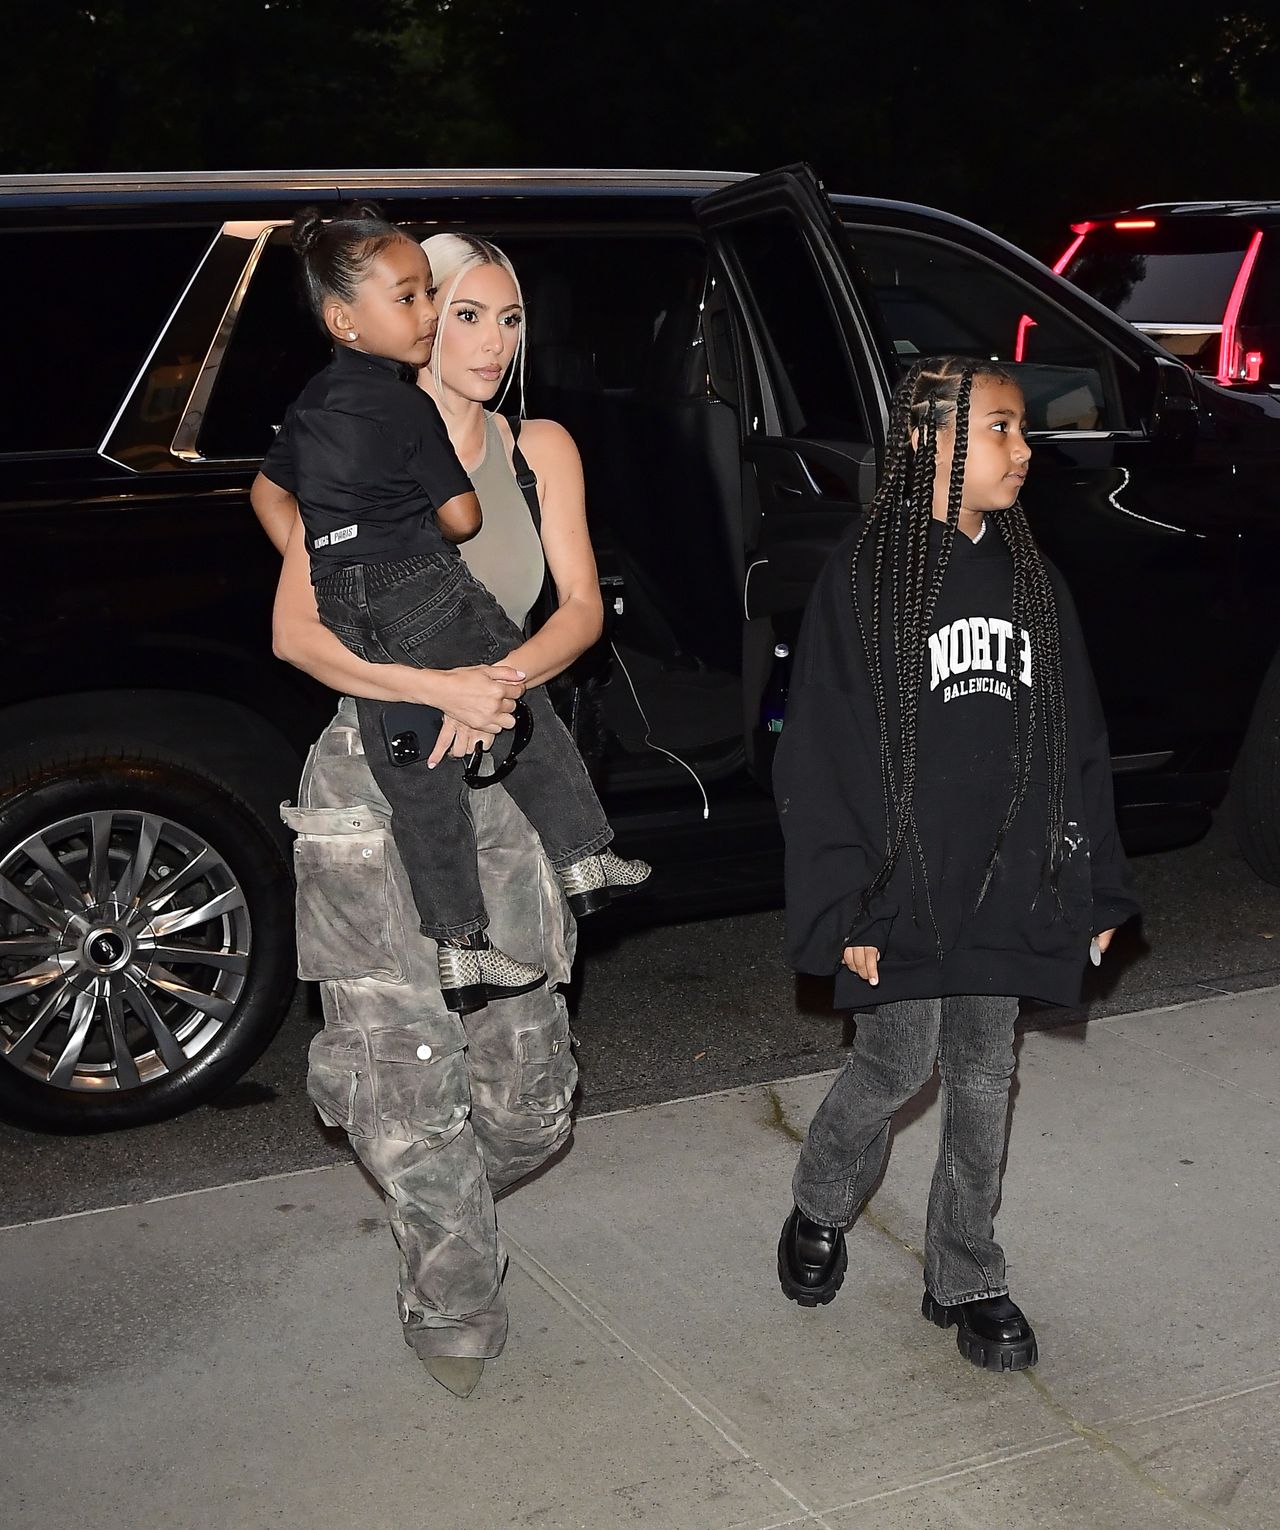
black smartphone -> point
(409, 730)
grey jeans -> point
(443, 1111)
(971, 1040)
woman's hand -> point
(458, 740)
(480, 696)
(864, 960)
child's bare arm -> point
(459, 518)
(275, 508)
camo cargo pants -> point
(444, 1111)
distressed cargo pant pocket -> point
(339, 1079)
(420, 1082)
(348, 921)
(546, 1072)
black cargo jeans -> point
(431, 612)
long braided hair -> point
(934, 396)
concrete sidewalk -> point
(232, 1358)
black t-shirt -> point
(366, 454)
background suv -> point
(1202, 278)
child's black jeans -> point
(432, 613)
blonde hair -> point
(451, 257)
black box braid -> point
(933, 393)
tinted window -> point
(274, 349)
(796, 325)
(1166, 275)
(936, 298)
(607, 315)
(85, 308)
(616, 355)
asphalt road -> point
(659, 1014)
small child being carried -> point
(383, 501)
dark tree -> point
(1022, 114)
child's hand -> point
(457, 739)
(1104, 938)
(864, 960)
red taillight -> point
(1069, 254)
(1126, 225)
(1233, 366)
(1025, 323)
(1252, 366)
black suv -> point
(1201, 278)
(723, 349)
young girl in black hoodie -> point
(944, 784)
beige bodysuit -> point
(506, 555)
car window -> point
(85, 308)
(616, 355)
(274, 349)
(937, 298)
(607, 314)
(794, 320)
(604, 315)
(1161, 275)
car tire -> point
(146, 941)
(1255, 783)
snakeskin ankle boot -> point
(472, 974)
(595, 881)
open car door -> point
(808, 367)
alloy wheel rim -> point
(125, 942)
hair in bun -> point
(335, 255)
(307, 229)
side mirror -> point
(1175, 411)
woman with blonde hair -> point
(445, 1110)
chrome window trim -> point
(346, 182)
(1175, 327)
(1083, 435)
(183, 446)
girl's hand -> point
(1104, 938)
(864, 960)
(479, 696)
(458, 740)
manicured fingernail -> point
(873, 981)
(431, 764)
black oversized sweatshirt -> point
(935, 937)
